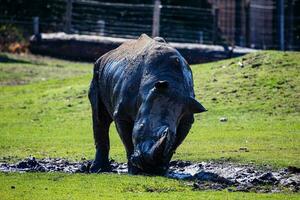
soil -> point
(201, 176)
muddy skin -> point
(146, 87)
(201, 176)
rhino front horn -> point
(195, 106)
(158, 148)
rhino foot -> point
(133, 170)
(97, 167)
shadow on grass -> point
(6, 59)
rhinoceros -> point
(146, 87)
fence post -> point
(156, 18)
(290, 24)
(281, 24)
(36, 28)
(215, 24)
(201, 37)
(100, 27)
(68, 22)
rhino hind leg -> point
(101, 123)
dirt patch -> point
(202, 176)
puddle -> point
(202, 175)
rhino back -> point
(120, 73)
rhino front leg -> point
(101, 123)
(124, 128)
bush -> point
(11, 39)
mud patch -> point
(235, 177)
(202, 176)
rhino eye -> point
(141, 126)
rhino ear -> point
(161, 85)
(195, 106)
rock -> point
(243, 149)
(240, 64)
(223, 119)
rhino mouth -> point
(154, 159)
(146, 166)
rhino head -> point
(155, 129)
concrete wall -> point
(90, 48)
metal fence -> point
(176, 23)
(257, 24)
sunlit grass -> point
(45, 113)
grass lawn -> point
(45, 112)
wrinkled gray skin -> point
(146, 87)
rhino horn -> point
(158, 148)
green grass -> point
(45, 112)
(28, 69)
(82, 186)
(262, 107)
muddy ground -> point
(201, 176)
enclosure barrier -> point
(264, 24)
